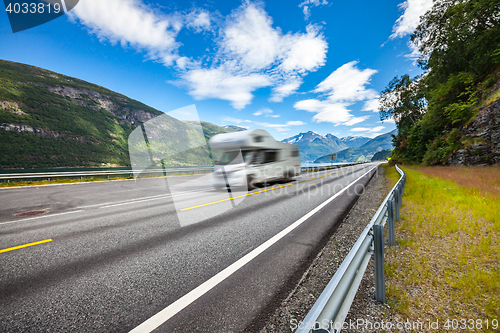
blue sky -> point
(283, 66)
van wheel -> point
(250, 183)
(288, 177)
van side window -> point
(295, 153)
(258, 138)
(270, 156)
(258, 157)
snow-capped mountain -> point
(304, 137)
(233, 127)
(365, 152)
(355, 141)
(313, 145)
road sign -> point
(333, 156)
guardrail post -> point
(390, 218)
(396, 205)
(400, 194)
(378, 235)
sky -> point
(285, 66)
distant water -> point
(307, 165)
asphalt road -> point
(114, 254)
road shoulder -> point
(295, 307)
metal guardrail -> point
(151, 172)
(81, 174)
(330, 310)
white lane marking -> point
(155, 198)
(161, 317)
(39, 217)
(130, 200)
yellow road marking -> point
(319, 177)
(324, 175)
(245, 195)
(25, 245)
(240, 196)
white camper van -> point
(262, 159)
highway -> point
(165, 255)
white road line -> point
(39, 217)
(151, 199)
(174, 308)
(130, 200)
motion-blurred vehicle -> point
(247, 158)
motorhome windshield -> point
(232, 157)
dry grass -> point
(447, 262)
(485, 179)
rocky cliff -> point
(481, 138)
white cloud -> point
(250, 47)
(218, 83)
(251, 52)
(304, 52)
(370, 132)
(285, 90)
(355, 120)
(198, 20)
(131, 23)
(288, 123)
(281, 127)
(371, 105)
(266, 112)
(295, 123)
(311, 3)
(410, 19)
(250, 38)
(347, 83)
(235, 120)
(327, 111)
(343, 87)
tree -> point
(459, 36)
(403, 100)
(459, 42)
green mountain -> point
(382, 155)
(51, 120)
(363, 153)
(380, 142)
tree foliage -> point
(459, 43)
(403, 101)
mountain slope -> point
(381, 142)
(355, 141)
(51, 120)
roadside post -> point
(332, 157)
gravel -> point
(364, 308)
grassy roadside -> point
(58, 181)
(446, 266)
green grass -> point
(447, 263)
